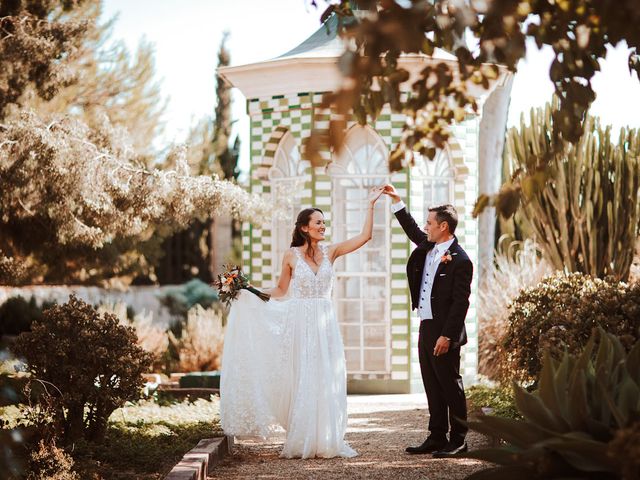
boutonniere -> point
(446, 258)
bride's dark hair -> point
(299, 237)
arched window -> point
(363, 152)
(286, 176)
(363, 277)
(286, 163)
(434, 179)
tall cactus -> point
(587, 215)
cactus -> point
(576, 422)
(585, 208)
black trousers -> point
(443, 384)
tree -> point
(227, 156)
(37, 40)
(76, 199)
(192, 252)
(67, 190)
(578, 31)
(110, 83)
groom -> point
(439, 273)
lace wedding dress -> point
(283, 367)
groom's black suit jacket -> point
(451, 287)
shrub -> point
(581, 422)
(181, 299)
(151, 338)
(560, 313)
(500, 399)
(92, 361)
(200, 346)
(517, 265)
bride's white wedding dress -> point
(283, 367)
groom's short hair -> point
(446, 213)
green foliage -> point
(559, 315)
(132, 450)
(195, 292)
(586, 406)
(17, 314)
(584, 209)
(91, 362)
(500, 399)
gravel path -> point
(380, 427)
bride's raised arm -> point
(342, 248)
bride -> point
(283, 364)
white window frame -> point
(285, 175)
(429, 172)
(349, 166)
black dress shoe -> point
(450, 450)
(428, 446)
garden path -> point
(380, 427)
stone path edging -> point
(198, 462)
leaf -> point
(395, 160)
(481, 203)
(577, 398)
(633, 362)
(584, 454)
(427, 47)
(534, 410)
(516, 432)
(548, 389)
(311, 148)
(337, 129)
(508, 200)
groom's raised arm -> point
(408, 224)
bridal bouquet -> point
(231, 281)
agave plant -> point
(575, 424)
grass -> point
(144, 439)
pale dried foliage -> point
(517, 265)
(86, 187)
(151, 337)
(200, 347)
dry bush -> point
(200, 345)
(93, 362)
(517, 265)
(151, 338)
(48, 462)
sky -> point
(187, 34)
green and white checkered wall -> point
(270, 118)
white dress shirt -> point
(431, 263)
